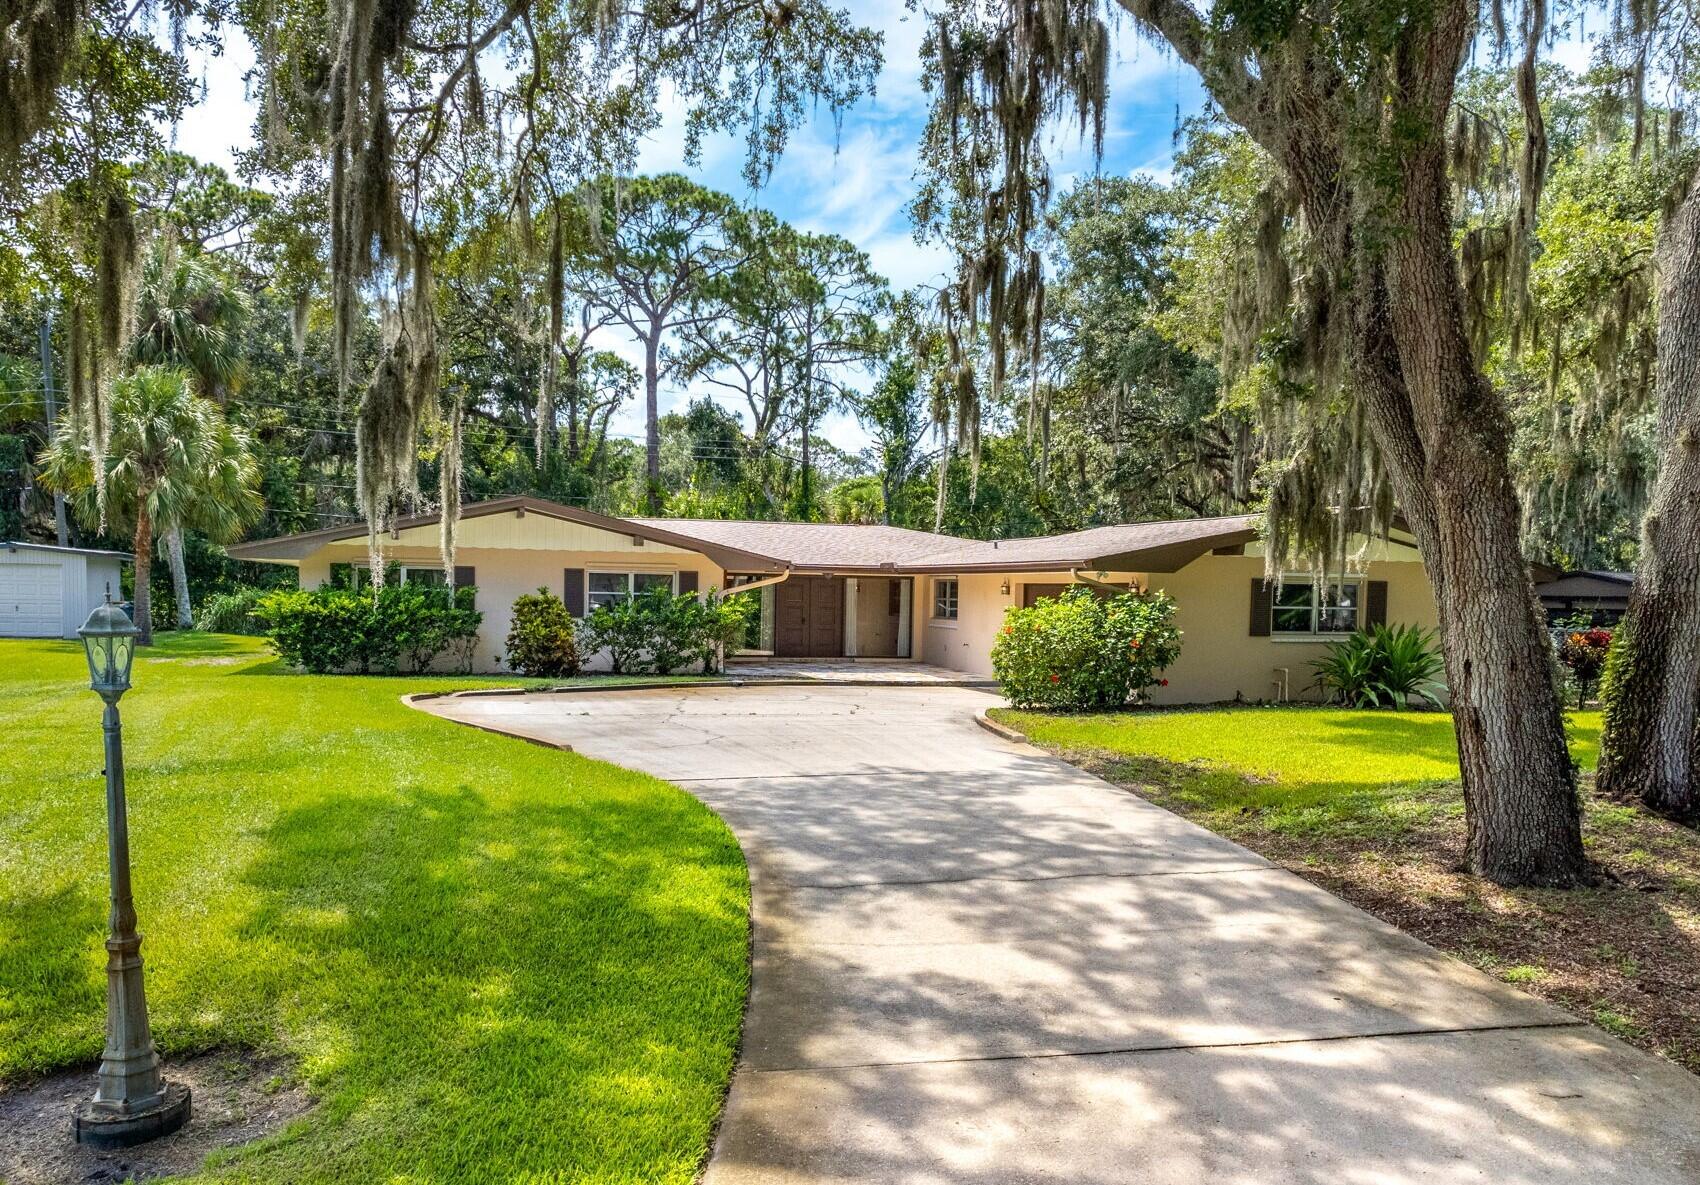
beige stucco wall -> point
(1220, 659)
(876, 625)
(510, 558)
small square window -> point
(945, 599)
(425, 577)
(1297, 608)
(608, 588)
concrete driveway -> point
(976, 964)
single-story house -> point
(1602, 596)
(867, 591)
(48, 592)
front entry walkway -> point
(976, 965)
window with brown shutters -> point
(1375, 602)
(1262, 605)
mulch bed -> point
(238, 1098)
(1624, 954)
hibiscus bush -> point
(1080, 652)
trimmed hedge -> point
(1081, 652)
(335, 629)
(659, 632)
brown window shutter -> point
(1375, 603)
(465, 577)
(687, 582)
(572, 592)
(1262, 606)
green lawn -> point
(489, 961)
(1301, 769)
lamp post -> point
(132, 1102)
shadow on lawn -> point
(502, 988)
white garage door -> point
(31, 600)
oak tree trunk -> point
(1524, 818)
(179, 577)
(142, 544)
(1651, 695)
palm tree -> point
(171, 458)
(190, 315)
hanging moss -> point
(37, 42)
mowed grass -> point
(1299, 769)
(488, 961)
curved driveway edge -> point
(974, 963)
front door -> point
(808, 617)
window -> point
(359, 576)
(1298, 611)
(610, 588)
(945, 599)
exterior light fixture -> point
(1004, 588)
(132, 1103)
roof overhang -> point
(19, 544)
(1163, 557)
(292, 549)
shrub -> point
(232, 612)
(1381, 667)
(336, 629)
(727, 622)
(677, 626)
(623, 630)
(1079, 652)
(1583, 652)
(542, 641)
(662, 632)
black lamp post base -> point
(101, 1128)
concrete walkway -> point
(976, 964)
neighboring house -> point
(837, 591)
(48, 592)
(1602, 596)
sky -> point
(854, 179)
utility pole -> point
(52, 417)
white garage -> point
(47, 592)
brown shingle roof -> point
(814, 545)
(743, 546)
(1152, 547)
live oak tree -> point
(1650, 747)
(412, 118)
(88, 88)
(1353, 104)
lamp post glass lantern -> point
(132, 1102)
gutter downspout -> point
(1095, 582)
(762, 583)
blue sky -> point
(853, 180)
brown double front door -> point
(808, 617)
